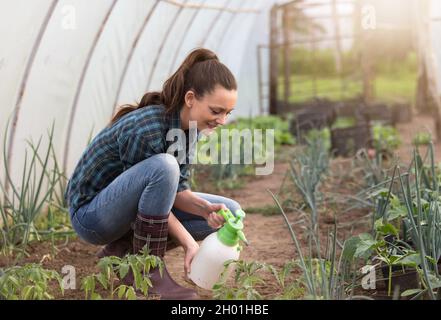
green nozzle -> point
(231, 232)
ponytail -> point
(201, 71)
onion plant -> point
(325, 276)
(25, 200)
(307, 169)
(422, 200)
(411, 220)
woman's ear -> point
(189, 98)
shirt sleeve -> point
(184, 184)
(136, 147)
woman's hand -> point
(215, 220)
(190, 251)
(188, 201)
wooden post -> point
(286, 59)
(274, 62)
(314, 64)
(426, 50)
(367, 67)
(259, 79)
(338, 49)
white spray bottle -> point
(216, 249)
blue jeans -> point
(149, 188)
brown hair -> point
(200, 72)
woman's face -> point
(211, 110)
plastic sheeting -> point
(71, 62)
(435, 12)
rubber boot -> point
(152, 231)
(124, 245)
(119, 248)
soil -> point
(270, 240)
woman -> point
(126, 192)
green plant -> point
(28, 282)
(227, 136)
(422, 138)
(113, 269)
(389, 253)
(422, 201)
(324, 135)
(24, 202)
(373, 169)
(249, 278)
(344, 122)
(407, 229)
(306, 170)
(246, 279)
(324, 276)
(282, 135)
(386, 138)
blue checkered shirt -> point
(136, 136)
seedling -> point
(114, 269)
(28, 282)
(422, 139)
(249, 279)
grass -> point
(302, 88)
(267, 210)
(387, 87)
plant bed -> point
(379, 112)
(350, 109)
(405, 280)
(383, 296)
(401, 113)
(315, 117)
(347, 141)
(313, 103)
(306, 121)
(400, 282)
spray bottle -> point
(217, 248)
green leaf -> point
(395, 213)
(130, 294)
(411, 292)
(382, 192)
(350, 247)
(103, 280)
(364, 246)
(121, 291)
(123, 270)
(412, 260)
(27, 292)
(388, 229)
(96, 296)
(378, 223)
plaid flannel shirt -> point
(133, 138)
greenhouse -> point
(318, 178)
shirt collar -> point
(174, 119)
(174, 122)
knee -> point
(232, 205)
(163, 165)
